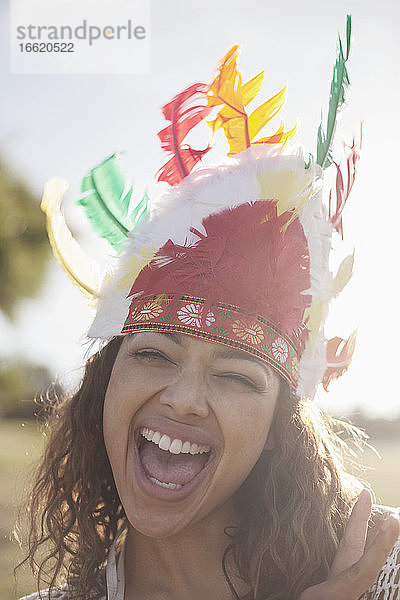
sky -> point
(62, 125)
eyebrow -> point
(175, 337)
(240, 355)
(171, 335)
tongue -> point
(170, 468)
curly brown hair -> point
(293, 505)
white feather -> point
(312, 368)
(318, 231)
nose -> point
(187, 396)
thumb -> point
(356, 579)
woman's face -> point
(185, 421)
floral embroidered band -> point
(223, 324)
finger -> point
(356, 580)
(352, 545)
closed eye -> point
(236, 378)
(149, 355)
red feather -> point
(247, 257)
(339, 353)
(342, 194)
(184, 112)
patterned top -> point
(387, 586)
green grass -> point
(20, 446)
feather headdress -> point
(236, 253)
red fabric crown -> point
(249, 257)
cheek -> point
(120, 405)
(128, 390)
(124, 395)
(246, 434)
(112, 417)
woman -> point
(190, 463)
(175, 548)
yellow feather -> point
(343, 275)
(134, 266)
(83, 271)
(265, 112)
(226, 87)
(287, 188)
(251, 88)
(240, 129)
(279, 137)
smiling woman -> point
(191, 462)
(175, 415)
(244, 518)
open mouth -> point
(168, 463)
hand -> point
(355, 568)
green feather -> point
(106, 196)
(140, 210)
(339, 85)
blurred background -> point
(63, 125)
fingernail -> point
(364, 497)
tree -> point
(24, 253)
(24, 248)
(20, 384)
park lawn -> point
(20, 446)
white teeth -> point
(194, 449)
(176, 447)
(170, 486)
(163, 441)
(156, 437)
(148, 433)
(185, 447)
